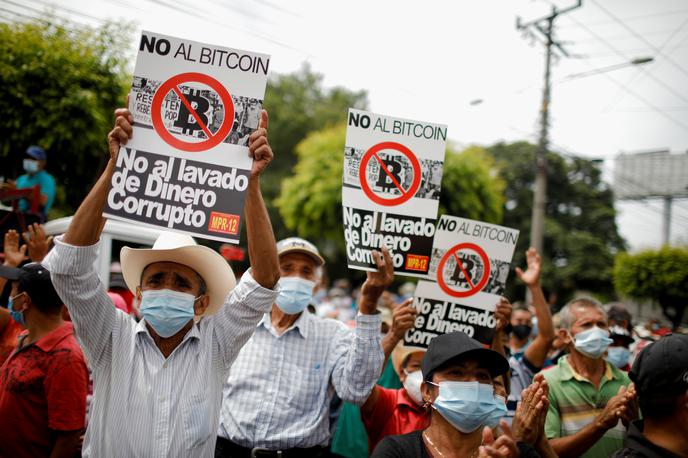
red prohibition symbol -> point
(406, 194)
(474, 287)
(172, 84)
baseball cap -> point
(661, 369)
(299, 245)
(34, 279)
(36, 152)
(454, 344)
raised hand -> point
(502, 314)
(377, 281)
(403, 317)
(503, 447)
(529, 421)
(259, 147)
(38, 243)
(617, 408)
(13, 254)
(531, 276)
(121, 132)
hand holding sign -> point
(259, 147)
(122, 132)
(502, 314)
(376, 282)
(403, 317)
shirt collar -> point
(568, 373)
(301, 323)
(50, 340)
(403, 398)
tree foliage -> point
(659, 275)
(311, 198)
(298, 104)
(60, 86)
(581, 236)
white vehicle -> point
(131, 234)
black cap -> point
(661, 369)
(449, 346)
(34, 279)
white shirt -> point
(143, 404)
(279, 389)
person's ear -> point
(201, 305)
(565, 336)
(138, 294)
(428, 392)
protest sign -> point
(187, 166)
(468, 272)
(391, 189)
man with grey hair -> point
(277, 398)
(589, 399)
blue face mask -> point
(16, 316)
(618, 356)
(166, 310)
(469, 405)
(593, 342)
(30, 166)
(295, 294)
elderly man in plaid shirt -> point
(277, 398)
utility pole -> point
(545, 27)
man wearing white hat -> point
(278, 395)
(158, 383)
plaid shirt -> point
(280, 386)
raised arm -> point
(262, 249)
(402, 320)
(235, 324)
(88, 221)
(536, 353)
(359, 362)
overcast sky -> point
(429, 60)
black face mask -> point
(521, 331)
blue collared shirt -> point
(279, 389)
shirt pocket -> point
(197, 421)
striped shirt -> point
(279, 389)
(574, 403)
(143, 404)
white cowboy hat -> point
(182, 249)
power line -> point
(641, 38)
(617, 98)
(69, 10)
(623, 56)
(622, 37)
(635, 18)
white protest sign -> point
(187, 166)
(469, 268)
(391, 189)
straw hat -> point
(181, 249)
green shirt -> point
(574, 402)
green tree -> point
(581, 236)
(659, 275)
(61, 83)
(298, 105)
(311, 199)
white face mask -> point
(412, 385)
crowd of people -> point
(179, 358)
